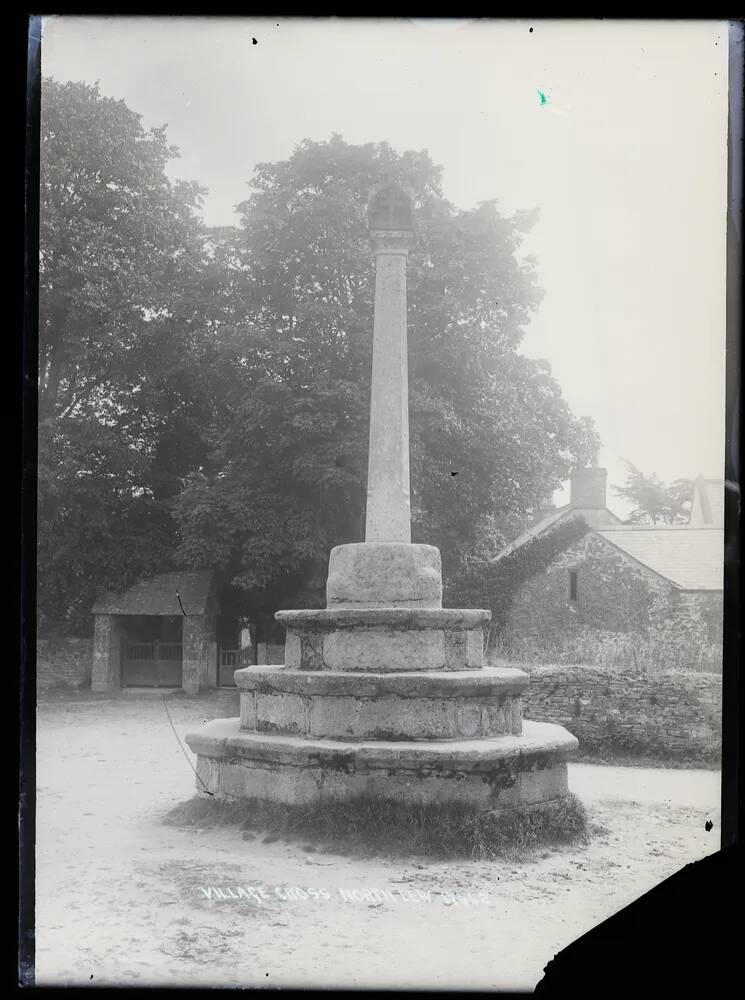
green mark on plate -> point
(543, 98)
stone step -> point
(383, 640)
(404, 706)
(493, 773)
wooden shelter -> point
(159, 633)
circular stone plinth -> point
(406, 706)
(414, 684)
(381, 640)
(332, 619)
(384, 575)
(500, 772)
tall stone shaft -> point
(388, 517)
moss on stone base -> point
(362, 826)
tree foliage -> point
(494, 583)
(654, 500)
(490, 431)
(204, 394)
(121, 278)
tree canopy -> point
(122, 273)
(204, 394)
(654, 500)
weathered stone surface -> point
(474, 647)
(490, 773)
(330, 619)
(199, 666)
(489, 681)
(669, 712)
(537, 740)
(388, 717)
(625, 611)
(388, 513)
(63, 662)
(293, 648)
(384, 639)
(384, 649)
(414, 706)
(284, 713)
(384, 574)
(107, 645)
(381, 718)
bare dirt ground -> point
(122, 898)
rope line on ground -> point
(199, 777)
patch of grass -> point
(614, 755)
(371, 827)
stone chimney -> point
(587, 487)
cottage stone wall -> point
(695, 616)
(63, 662)
(617, 597)
(672, 712)
(615, 594)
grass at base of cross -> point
(613, 755)
(648, 760)
(374, 828)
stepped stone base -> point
(496, 773)
(384, 640)
(400, 706)
(384, 695)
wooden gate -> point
(152, 664)
(230, 660)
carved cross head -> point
(390, 208)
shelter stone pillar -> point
(199, 657)
(106, 670)
(191, 641)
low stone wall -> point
(676, 713)
(63, 661)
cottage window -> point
(573, 588)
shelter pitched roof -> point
(692, 558)
(157, 595)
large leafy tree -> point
(656, 501)
(204, 395)
(124, 294)
(491, 435)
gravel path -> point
(124, 899)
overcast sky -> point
(624, 155)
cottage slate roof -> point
(157, 595)
(692, 558)
(533, 531)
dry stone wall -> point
(63, 662)
(671, 713)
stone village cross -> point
(384, 693)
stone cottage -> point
(159, 633)
(659, 584)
